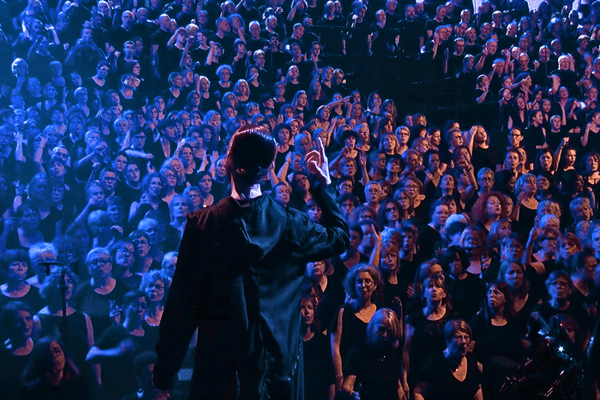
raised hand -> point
(317, 163)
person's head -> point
(584, 263)
(153, 229)
(99, 263)
(526, 183)
(156, 285)
(434, 289)
(559, 285)
(16, 321)
(169, 263)
(458, 336)
(48, 359)
(489, 206)
(155, 185)
(14, 265)
(250, 154)
(59, 285)
(135, 306)
(499, 300)
(364, 282)
(389, 257)
(581, 209)
(454, 261)
(567, 245)
(514, 274)
(384, 330)
(473, 237)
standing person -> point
(250, 326)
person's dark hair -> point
(41, 364)
(345, 134)
(51, 286)
(451, 254)
(13, 255)
(251, 151)
(132, 296)
(9, 313)
(456, 325)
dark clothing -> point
(443, 385)
(318, 368)
(11, 369)
(67, 389)
(377, 370)
(428, 340)
(248, 313)
(118, 377)
(97, 306)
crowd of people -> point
(474, 247)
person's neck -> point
(55, 376)
(251, 192)
(15, 286)
(559, 304)
(308, 334)
(365, 250)
(21, 346)
(29, 231)
(345, 256)
(434, 307)
(453, 360)
(102, 284)
(131, 325)
(437, 226)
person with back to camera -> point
(248, 312)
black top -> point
(378, 371)
(442, 384)
(318, 368)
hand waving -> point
(317, 163)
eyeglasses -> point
(139, 305)
(170, 176)
(157, 287)
(365, 282)
(125, 251)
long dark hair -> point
(40, 364)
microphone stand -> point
(63, 289)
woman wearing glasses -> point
(156, 285)
(98, 296)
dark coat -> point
(238, 279)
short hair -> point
(51, 285)
(132, 296)
(251, 151)
(349, 282)
(9, 313)
(11, 256)
(42, 247)
(554, 275)
(153, 276)
(456, 325)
